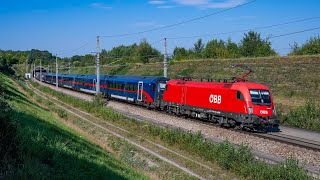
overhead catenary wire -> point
(291, 33)
(245, 30)
(179, 23)
(74, 50)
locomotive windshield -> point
(261, 97)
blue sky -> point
(62, 26)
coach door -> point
(94, 85)
(140, 89)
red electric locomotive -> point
(234, 103)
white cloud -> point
(165, 7)
(226, 4)
(100, 5)
(210, 3)
(192, 2)
(157, 2)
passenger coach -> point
(145, 90)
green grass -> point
(43, 148)
(238, 160)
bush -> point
(312, 46)
(306, 116)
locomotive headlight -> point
(250, 109)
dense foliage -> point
(252, 45)
(306, 116)
(143, 52)
(312, 46)
(6, 61)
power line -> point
(74, 50)
(180, 23)
(296, 32)
(245, 30)
(156, 41)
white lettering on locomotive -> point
(263, 112)
(216, 99)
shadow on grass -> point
(47, 151)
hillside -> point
(35, 144)
(292, 80)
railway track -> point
(292, 140)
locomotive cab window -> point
(240, 96)
(261, 97)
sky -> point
(70, 27)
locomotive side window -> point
(240, 96)
(153, 87)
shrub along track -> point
(129, 111)
(171, 157)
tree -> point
(144, 52)
(198, 47)
(253, 46)
(233, 49)
(45, 56)
(179, 53)
(215, 49)
(311, 46)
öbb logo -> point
(263, 112)
(216, 99)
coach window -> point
(239, 95)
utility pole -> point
(40, 72)
(26, 65)
(98, 66)
(56, 70)
(165, 58)
(32, 67)
(69, 65)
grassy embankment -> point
(293, 81)
(237, 160)
(34, 144)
